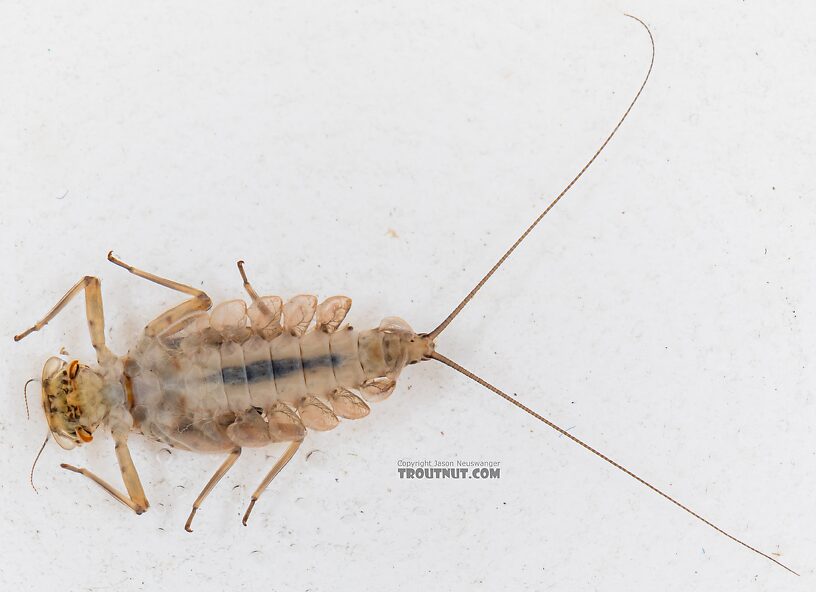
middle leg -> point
(222, 470)
(199, 300)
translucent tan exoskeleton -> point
(240, 376)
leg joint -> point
(206, 301)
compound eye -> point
(84, 435)
(73, 369)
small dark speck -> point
(336, 480)
(64, 195)
(235, 487)
(255, 551)
(311, 453)
(766, 250)
(773, 188)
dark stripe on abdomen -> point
(263, 370)
(259, 371)
(318, 362)
(233, 375)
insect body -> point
(243, 376)
(221, 381)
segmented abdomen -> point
(212, 383)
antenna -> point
(25, 395)
(31, 475)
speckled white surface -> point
(665, 311)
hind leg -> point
(282, 462)
(247, 286)
(199, 300)
(265, 311)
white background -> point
(665, 311)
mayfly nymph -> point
(243, 376)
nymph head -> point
(72, 400)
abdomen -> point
(200, 391)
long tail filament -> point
(439, 357)
(433, 334)
(563, 432)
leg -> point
(93, 311)
(222, 470)
(282, 462)
(135, 499)
(265, 312)
(247, 286)
(199, 300)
